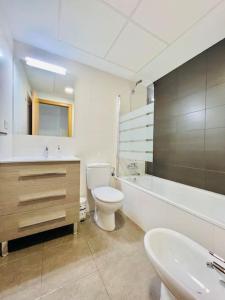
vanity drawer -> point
(25, 187)
(23, 224)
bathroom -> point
(112, 149)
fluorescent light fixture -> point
(45, 66)
(1, 54)
(68, 90)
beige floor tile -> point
(21, 279)
(88, 229)
(124, 241)
(19, 254)
(82, 267)
(129, 239)
(88, 288)
(70, 260)
(128, 277)
(67, 239)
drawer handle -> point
(39, 220)
(42, 196)
(35, 173)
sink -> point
(181, 265)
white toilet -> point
(107, 199)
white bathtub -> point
(155, 202)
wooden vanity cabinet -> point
(36, 197)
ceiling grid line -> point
(95, 55)
(128, 18)
(188, 29)
(183, 33)
(128, 38)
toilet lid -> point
(108, 194)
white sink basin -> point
(181, 266)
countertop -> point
(30, 159)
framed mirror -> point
(43, 94)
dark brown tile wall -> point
(189, 129)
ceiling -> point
(134, 39)
(48, 83)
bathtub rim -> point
(172, 203)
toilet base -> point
(105, 221)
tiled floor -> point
(92, 265)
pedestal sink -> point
(182, 267)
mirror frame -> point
(35, 113)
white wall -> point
(21, 91)
(95, 117)
(6, 81)
(136, 99)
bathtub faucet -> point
(133, 167)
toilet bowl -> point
(107, 199)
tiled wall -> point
(189, 129)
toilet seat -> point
(108, 194)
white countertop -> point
(30, 159)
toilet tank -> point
(98, 174)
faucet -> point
(59, 150)
(46, 152)
(133, 166)
(215, 265)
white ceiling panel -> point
(31, 19)
(44, 51)
(48, 83)
(90, 25)
(125, 6)
(40, 80)
(205, 34)
(95, 32)
(134, 48)
(168, 19)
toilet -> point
(107, 199)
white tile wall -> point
(5, 147)
(27, 145)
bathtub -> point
(155, 202)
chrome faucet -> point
(215, 265)
(46, 152)
(133, 166)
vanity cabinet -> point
(37, 196)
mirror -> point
(43, 96)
